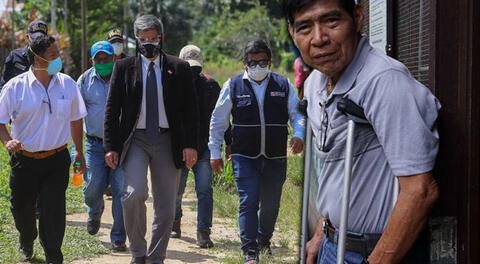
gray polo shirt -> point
(401, 139)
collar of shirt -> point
(347, 80)
(32, 78)
(24, 50)
(97, 76)
(146, 62)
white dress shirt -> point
(41, 117)
(162, 115)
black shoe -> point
(203, 238)
(93, 226)
(138, 260)
(25, 252)
(251, 257)
(119, 246)
(176, 230)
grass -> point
(77, 242)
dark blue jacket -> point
(251, 129)
(15, 64)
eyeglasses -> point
(323, 127)
(253, 63)
(147, 40)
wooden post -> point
(84, 35)
(53, 15)
(12, 14)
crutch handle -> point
(352, 110)
(302, 107)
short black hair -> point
(39, 45)
(290, 7)
(257, 46)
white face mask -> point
(258, 73)
(117, 48)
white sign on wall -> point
(378, 24)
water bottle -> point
(77, 179)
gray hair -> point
(146, 22)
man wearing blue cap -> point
(93, 85)
(17, 61)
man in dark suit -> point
(150, 121)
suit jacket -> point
(125, 99)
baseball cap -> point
(101, 46)
(37, 28)
(114, 34)
(192, 54)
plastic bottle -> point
(77, 179)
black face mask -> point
(150, 50)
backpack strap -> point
(207, 77)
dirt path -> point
(182, 250)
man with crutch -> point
(392, 186)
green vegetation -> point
(220, 28)
(77, 242)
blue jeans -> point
(203, 187)
(259, 185)
(97, 178)
(328, 254)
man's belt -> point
(161, 130)
(362, 244)
(94, 138)
(42, 154)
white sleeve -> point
(7, 102)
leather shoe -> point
(93, 226)
(119, 246)
(26, 252)
(203, 238)
(138, 260)
(176, 231)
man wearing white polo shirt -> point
(42, 106)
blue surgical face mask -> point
(54, 66)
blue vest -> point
(251, 131)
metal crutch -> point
(306, 183)
(355, 115)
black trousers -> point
(45, 180)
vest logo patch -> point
(20, 66)
(243, 96)
(244, 102)
(277, 94)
